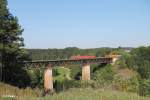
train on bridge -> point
(82, 57)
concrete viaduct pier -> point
(48, 79)
(86, 72)
(49, 64)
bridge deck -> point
(98, 60)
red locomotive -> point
(82, 57)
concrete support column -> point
(85, 72)
(114, 60)
(48, 79)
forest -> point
(55, 54)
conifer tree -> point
(10, 45)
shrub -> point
(36, 77)
(126, 85)
(126, 80)
(65, 84)
(140, 61)
(75, 72)
(103, 76)
(144, 87)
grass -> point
(72, 94)
(88, 94)
(8, 90)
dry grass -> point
(72, 94)
(8, 90)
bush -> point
(126, 85)
(103, 76)
(140, 61)
(75, 72)
(36, 77)
(65, 84)
(144, 87)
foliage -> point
(62, 73)
(122, 62)
(130, 84)
(47, 54)
(10, 51)
(36, 77)
(62, 79)
(103, 76)
(75, 72)
(114, 77)
(140, 61)
(65, 85)
(144, 87)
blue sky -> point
(83, 23)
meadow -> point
(84, 94)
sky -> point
(83, 23)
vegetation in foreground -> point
(77, 94)
(9, 90)
(90, 94)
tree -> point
(10, 45)
(140, 61)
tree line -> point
(66, 53)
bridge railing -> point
(62, 62)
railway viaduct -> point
(85, 63)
